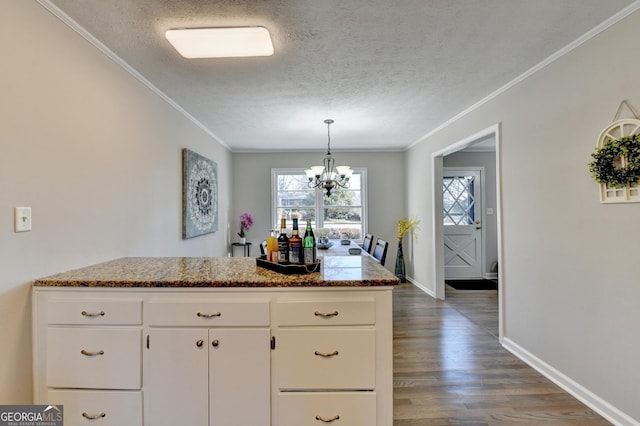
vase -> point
(243, 240)
(400, 268)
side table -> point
(246, 248)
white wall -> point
(486, 160)
(97, 156)
(386, 190)
(569, 273)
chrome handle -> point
(201, 315)
(215, 343)
(328, 420)
(199, 343)
(92, 314)
(87, 353)
(478, 226)
(325, 355)
(332, 314)
(93, 416)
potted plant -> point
(245, 223)
(405, 226)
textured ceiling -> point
(387, 71)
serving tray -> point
(288, 269)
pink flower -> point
(245, 223)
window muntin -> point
(343, 213)
(458, 200)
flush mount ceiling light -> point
(329, 176)
(221, 42)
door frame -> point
(437, 248)
(481, 210)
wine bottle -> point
(295, 245)
(283, 242)
(309, 245)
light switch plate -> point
(22, 219)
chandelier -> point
(329, 176)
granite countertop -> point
(336, 271)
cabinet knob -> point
(215, 343)
(320, 418)
(199, 343)
(93, 416)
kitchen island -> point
(216, 341)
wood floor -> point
(450, 370)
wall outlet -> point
(22, 219)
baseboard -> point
(583, 394)
(421, 287)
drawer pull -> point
(328, 420)
(87, 353)
(93, 416)
(215, 343)
(329, 315)
(92, 314)
(199, 343)
(325, 355)
(201, 315)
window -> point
(458, 200)
(343, 213)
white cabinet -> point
(218, 353)
(215, 357)
(329, 360)
(88, 359)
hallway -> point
(450, 371)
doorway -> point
(457, 254)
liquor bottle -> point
(309, 245)
(295, 245)
(272, 247)
(283, 242)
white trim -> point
(544, 63)
(584, 395)
(490, 276)
(66, 19)
(422, 287)
(437, 228)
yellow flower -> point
(408, 225)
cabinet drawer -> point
(106, 312)
(314, 409)
(119, 408)
(326, 358)
(209, 313)
(94, 357)
(326, 312)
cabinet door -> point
(176, 382)
(239, 363)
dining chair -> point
(367, 243)
(380, 251)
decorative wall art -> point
(616, 160)
(199, 195)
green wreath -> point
(603, 168)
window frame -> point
(319, 201)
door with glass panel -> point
(462, 214)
